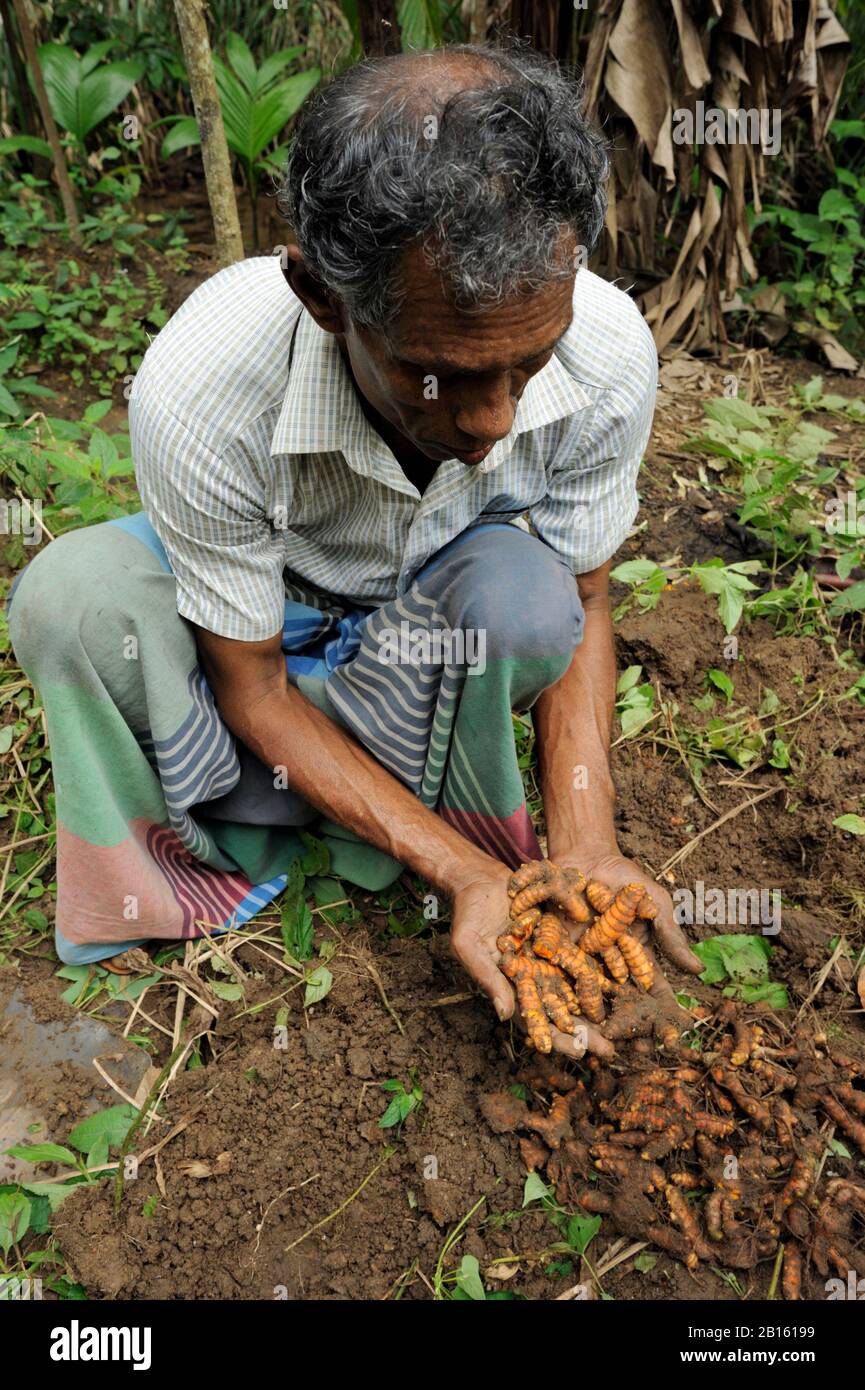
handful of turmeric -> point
(558, 982)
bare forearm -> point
(331, 770)
(572, 722)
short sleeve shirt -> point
(254, 459)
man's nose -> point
(486, 411)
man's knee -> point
(83, 591)
(515, 591)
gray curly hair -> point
(480, 155)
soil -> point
(299, 1192)
(300, 1125)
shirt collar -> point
(320, 411)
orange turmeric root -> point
(540, 881)
(600, 897)
(616, 964)
(853, 1128)
(791, 1277)
(640, 967)
(684, 1218)
(554, 1126)
(552, 944)
(609, 927)
(543, 994)
(523, 925)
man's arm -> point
(572, 721)
(331, 770)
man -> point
(327, 613)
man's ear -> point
(324, 307)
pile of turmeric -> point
(715, 1152)
(559, 981)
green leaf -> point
(780, 757)
(737, 414)
(722, 681)
(835, 205)
(80, 93)
(635, 571)
(812, 391)
(318, 984)
(183, 134)
(743, 958)
(581, 1231)
(316, 861)
(53, 1192)
(839, 1149)
(273, 66)
(14, 1219)
(644, 1262)
(770, 992)
(628, 678)
(849, 600)
(469, 1278)
(42, 1153)
(241, 59)
(853, 824)
(8, 405)
(99, 1153)
(30, 144)
(111, 1124)
(769, 703)
(420, 23)
(535, 1189)
(229, 990)
(396, 1112)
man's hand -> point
(607, 865)
(480, 914)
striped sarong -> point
(168, 827)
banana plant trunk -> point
(214, 147)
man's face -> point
(450, 381)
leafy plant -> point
(81, 473)
(83, 90)
(744, 961)
(96, 326)
(257, 103)
(296, 923)
(11, 386)
(826, 254)
(648, 580)
(404, 1101)
(635, 703)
